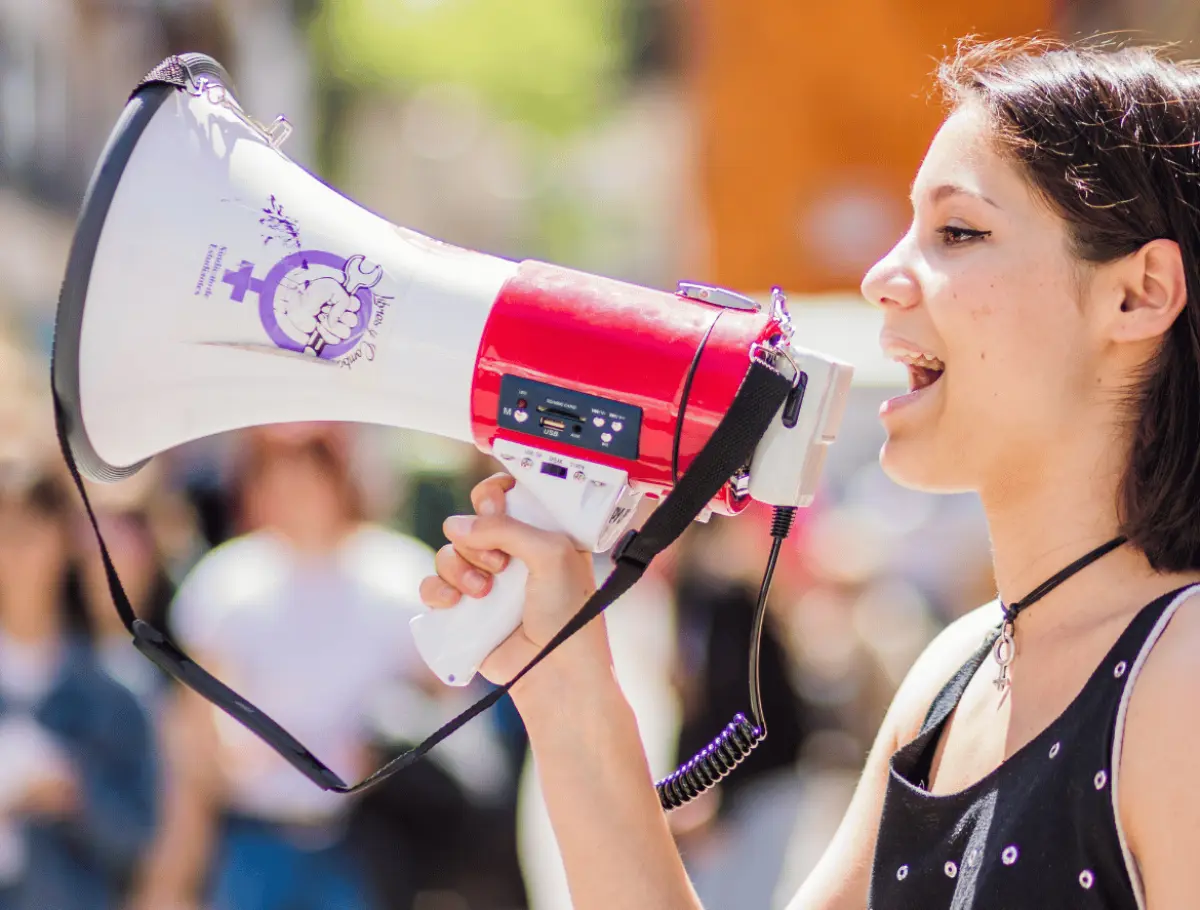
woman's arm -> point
(1159, 803)
(613, 835)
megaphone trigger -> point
(591, 503)
(453, 642)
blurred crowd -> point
(286, 559)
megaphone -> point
(214, 284)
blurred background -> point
(745, 145)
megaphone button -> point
(598, 421)
(606, 437)
(616, 425)
(520, 416)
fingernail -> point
(494, 559)
(438, 593)
(459, 525)
(474, 581)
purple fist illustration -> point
(323, 310)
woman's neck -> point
(1049, 517)
(316, 538)
(1037, 533)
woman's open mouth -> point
(924, 370)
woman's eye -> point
(956, 236)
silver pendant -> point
(1004, 652)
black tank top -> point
(1040, 831)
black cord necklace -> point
(1006, 648)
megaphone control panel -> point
(567, 416)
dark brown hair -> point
(332, 459)
(1110, 138)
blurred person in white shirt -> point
(306, 614)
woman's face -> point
(295, 493)
(983, 280)
(33, 545)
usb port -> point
(552, 424)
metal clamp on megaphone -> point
(274, 298)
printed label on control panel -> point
(564, 415)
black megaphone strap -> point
(731, 446)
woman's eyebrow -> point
(944, 190)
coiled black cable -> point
(715, 761)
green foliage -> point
(550, 64)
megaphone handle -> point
(454, 641)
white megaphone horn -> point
(214, 284)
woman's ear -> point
(1154, 286)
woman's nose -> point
(889, 282)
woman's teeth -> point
(923, 370)
(924, 360)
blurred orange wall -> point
(812, 118)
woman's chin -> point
(916, 464)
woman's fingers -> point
(436, 592)
(487, 496)
(542, 551)
(458, 575)
(482, 545)
(461, 574)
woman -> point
(78, 769)
(127, 521)
(298, 609)
(1051, 270)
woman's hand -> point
(561, 578)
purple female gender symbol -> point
(302, 260)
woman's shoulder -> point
(1155, 787)
(1164, 683)
(236, 555)
(1159, 737)
(387, 560)
(238, 575)
(942, 658)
